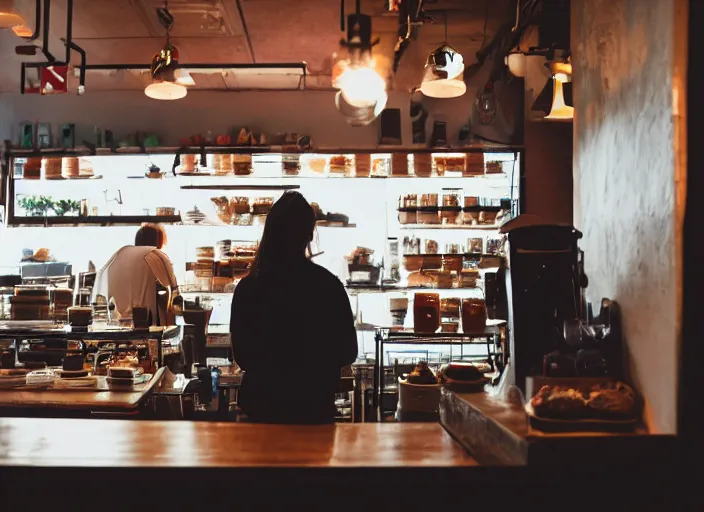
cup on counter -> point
(79, 316)
(399, 309)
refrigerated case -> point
(361, 193)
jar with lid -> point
(428, 211)
(451, 210)
(426, 312)
(291, 164)
(474, 313)
(408, 209)
(450, 314)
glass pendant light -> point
(443, 76)
(165, 79)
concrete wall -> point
(627, 197)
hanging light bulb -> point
(362, 90)
(360, 84)
(444, 74)
(560, 109)
(10, 16)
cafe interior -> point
(504, 188)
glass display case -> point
(389, 224)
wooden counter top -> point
(182, 444)
(113, 400)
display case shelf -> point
(461, 227)
(101, 220)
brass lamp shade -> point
(10, 16)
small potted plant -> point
(36, 206)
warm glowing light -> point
(444, 88)
(361, 85)
(165, 91)
(444, 81)
(516, 62)
(22, 31)
(560, 110)
(10, 17)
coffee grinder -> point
(544, 284)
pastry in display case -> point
(464, 377)
(474, 315)
(242, 164)
(449, 314)
(262, 205)
(474, 164)
(412, 262)
(222, 208)
(449, 164)
(317, 164)
(222, 164)
(494, 167)
(468, 277)
(422, 374)
(362, 165)
(291, 164)
(205, 254)
(188, 164)
(399, 164)
(51, 168)
(32, 169)
(380, 166)
(487, 217)
(422, 164)
(340, 164)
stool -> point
(224, 396)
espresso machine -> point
(545, 285)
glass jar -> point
(431, 246)
(290, 165)
(449, 314)
(475, 245)
(474, 315)
(426, 312)
(380, 165)
(428, 211)
(451, 210)
(408, 209)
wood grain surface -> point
(182, 444)
(115, 399)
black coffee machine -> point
(545, 284)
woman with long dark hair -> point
(292, 325)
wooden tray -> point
(582, 425)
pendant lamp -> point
(166, 79)
(444, 74)
(560, 109)
(10, 16)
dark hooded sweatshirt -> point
(292, 331)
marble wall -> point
(628, 197)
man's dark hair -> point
(150, 235)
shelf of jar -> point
(464, 227)
(258, 149)
(92, 220)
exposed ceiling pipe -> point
(47, 23)
(37, 22)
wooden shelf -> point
(100, 220)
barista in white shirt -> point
(132, 273)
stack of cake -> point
(242, 164)
(474, 164)
(30, 303)
(422, 164)
(85, 169)
(340, 164)
(363, 164)
(222, 164)
(70, 167)
(32, 169)
(51, 168)
(188, 163)
(399, 164)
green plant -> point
(65, 206)
(36, 206)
